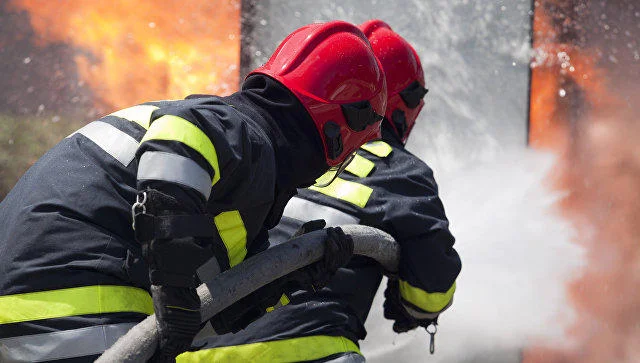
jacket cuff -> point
(428, 302)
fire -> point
(135, 51)
(576, 111)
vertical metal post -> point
(247, 29)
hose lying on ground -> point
(139, 344)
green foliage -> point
(23, 139)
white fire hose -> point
(140, 343)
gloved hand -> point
(310, 226)
(177, 312)
(338, 250)
(166, 229)
(248, 309)
(404, 320)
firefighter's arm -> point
(178, 165)
(429, 264)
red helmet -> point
(403, 71)
(332, 70)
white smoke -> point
(517, 257)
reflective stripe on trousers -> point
(62, 344)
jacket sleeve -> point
(415, 216)
(188, 149)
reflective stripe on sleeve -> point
(360, 166)
(174, 128)
(286, 350)
(304, 210)
(378, 148)
(233, 234)
(284, 300)
(140, 114)
(74, 301)
(114, 142)
(427, 301)
(348, 191)
(158, 165)
(63, 344)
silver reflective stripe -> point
(115, 142)
(158, 165)
(305, 210)
(350, 357)
(62, 344)
(424, 315)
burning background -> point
(64, 63)
(585, 105)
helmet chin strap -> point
(333, 172)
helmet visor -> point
(333, 172)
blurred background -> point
(530, 125)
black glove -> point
(178, 319)
(310, 226)
(395, 309)
(248, 309)
(166, 230)
(338, 249)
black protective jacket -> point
(68, 257)
(386, 187)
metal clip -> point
(138, 207)
(432, 333)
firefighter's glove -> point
(177, 312)
(405, 317)
(250, 308)
(310, 226)
(338, 248)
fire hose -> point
(140, 343)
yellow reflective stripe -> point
(169, 127)
(378, 148)
(61, 303)
(278, 351)
(140, 114)
(348, 191)
(431, 302)
(234, 235)
(284, 300)
(360, 166)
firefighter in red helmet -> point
(202, 179)
(385, 187)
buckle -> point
(138, 208)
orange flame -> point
(576, 112)
(135, 51)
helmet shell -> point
(402, 67)
(328, 65)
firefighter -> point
(201, 179)
(385, 187)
